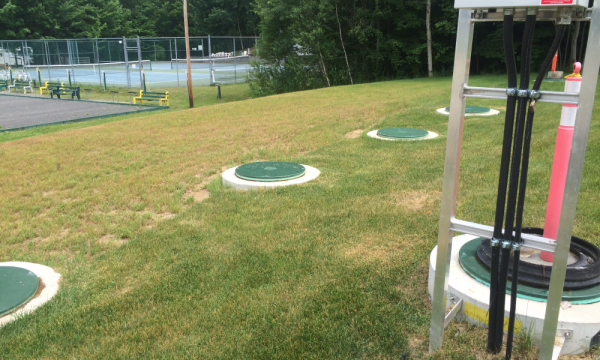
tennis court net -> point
(88, 69)
(199, 64)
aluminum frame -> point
(449, 224)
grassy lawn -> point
(332, 269)
(178, 97)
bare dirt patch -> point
(354, 133)
(198, 192)
(199, 195)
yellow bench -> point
(162, 98)
(49, 84)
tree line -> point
(304, 44)
(58, 19)
(318, 43)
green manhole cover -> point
(17, 286)
(473, 109)
(470, 263)
(270, 171)
(402, 133)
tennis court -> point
(19, 112)
(158, 73)
(118, 61)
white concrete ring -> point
(492, 112)
(231, 180)
(530, 314)
(49, 277)
(373, 134)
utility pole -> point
(187, 54)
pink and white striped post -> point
(562, 151)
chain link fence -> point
(126, 62)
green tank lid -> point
(470, 263)
(270, 171)
(402, 133)
(473, 109)
(17, 286)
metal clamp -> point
(534, 94)
(506, 244)
(564, 16)
(511, 91)
(523, 93)
(516, 246)
(494, 242)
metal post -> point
(234, 68)
(569, 205)
(462, 62)
(47, 49)
(170, 51)
(109, 56)
(139, 51)
(202, 42)
(126, 61)
(176, 63)
(22, 56)
(98, 62)
(210, 67)
(70, 51)
(26, 55)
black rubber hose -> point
(513, 304)
(502, 280)
(519, 126)
(511, 68)
(491, 346)
(560, 31)
(514, 175)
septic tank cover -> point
(270, 171)
(402, 133)
(17, 286)
(473, 109)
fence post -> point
(234, 68)
(126, 61)
(98, 62)
(139, 50)
(70, 52)
(210, 65)
(176, 62)
(48, 60)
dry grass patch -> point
(110, 239)
(415, 200)
(379, 248)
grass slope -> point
(333, 269)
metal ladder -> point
(449, 224)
